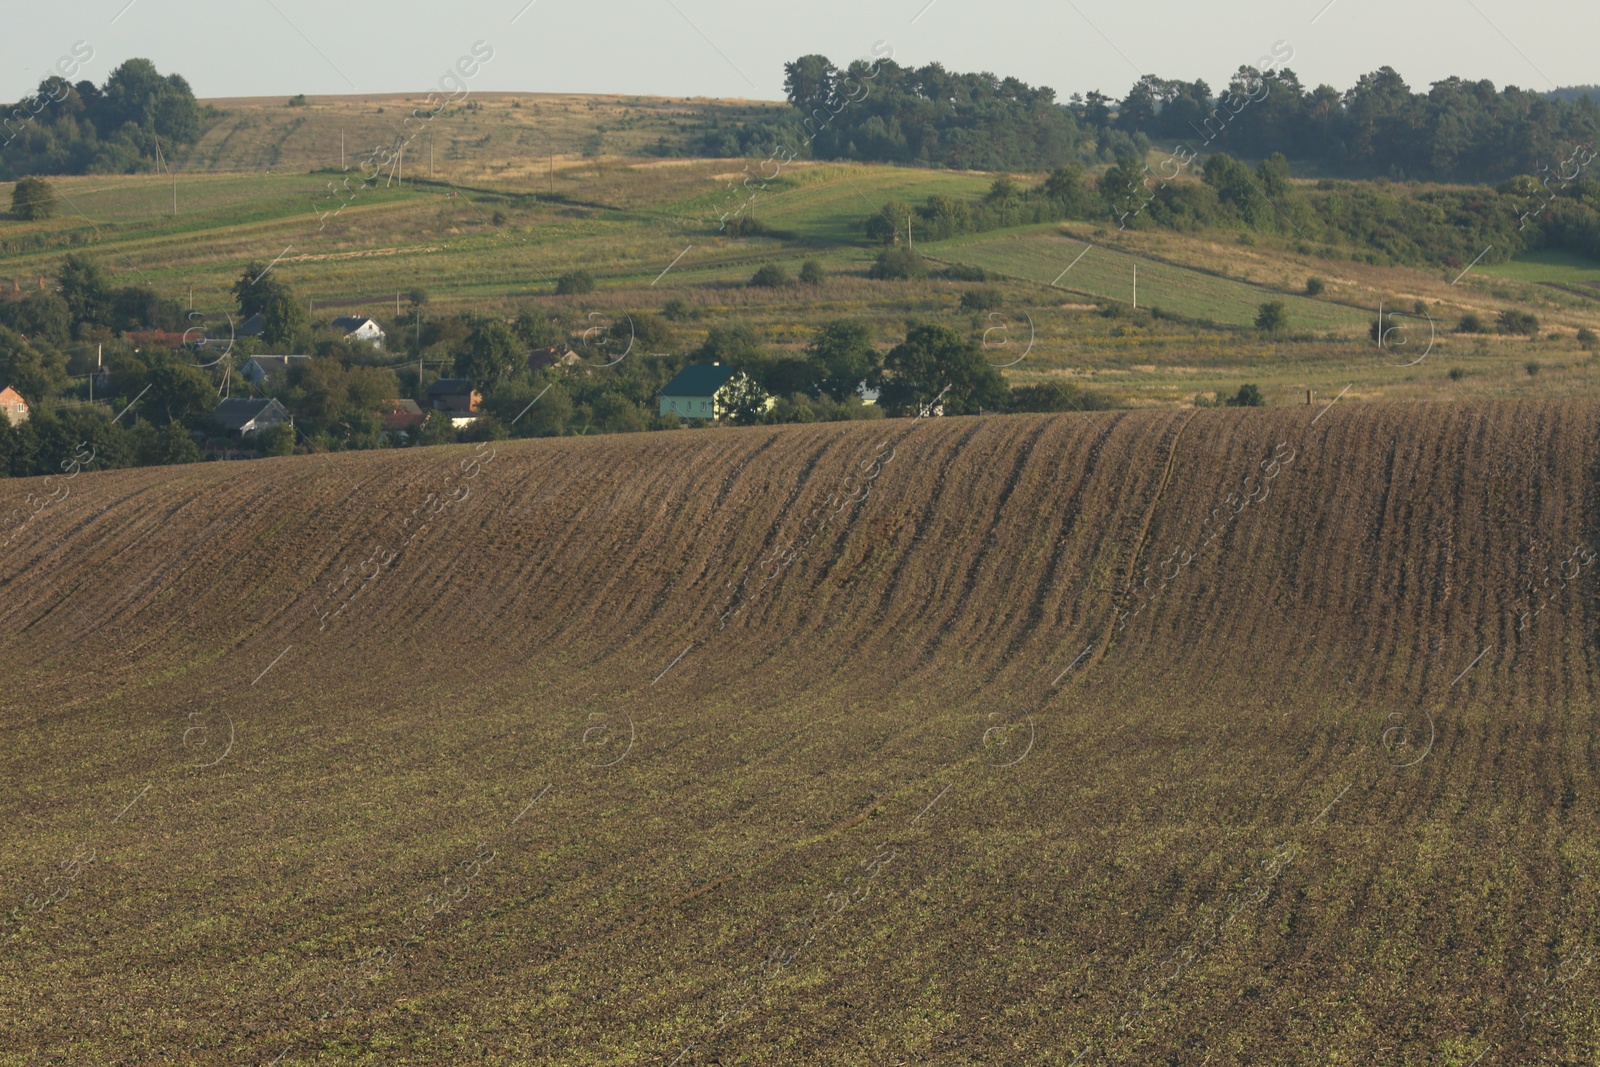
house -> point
(457, 397)
(13, 407)
(358, 328)
(258, 369)
(559, 355)
(693, 391)
(243, 417)
(254, 326)
(402, 416)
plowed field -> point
(1166, 737)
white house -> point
(357, 328)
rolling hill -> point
(1147, 737)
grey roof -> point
(451, 387)
(351, 323)
(251, 327)
(698, 380)
(238, 412)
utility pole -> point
(430, 156)
(1136, 286)
(341, 151)
(908, 234)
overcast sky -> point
(732, 48)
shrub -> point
(32, 198)
(1586, 337)
(576, 281)
(811, 272)
(1521, 322)
(1470, 323)
(1248, 396)
(981, 299)
(1272, 317)
(771, 276)
(297, 100)
(676, 309)
(1315, 286)
(1531, 367)
(960, 272)
(897, 264)
(276, 440)
(499, 219)
(1456, 374)
(1053, 396)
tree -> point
(1272, 317)
(34, 371)
(770, 276)
(844, 351)
(743, 400)
(1248, 396)
(493, 354)
(811, 273)
(276, 440)
(41, 316)
(181, 392)
(437, 430)
(1315, 286)
(33, 198)
(885, 225)
(167, 444)
(284, 322)
(85, 289)
(933, 359)
(537, 330)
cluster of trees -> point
(80, 128)
(1381, 223)
(159, 404)
(1459, 130)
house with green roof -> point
(693, 391)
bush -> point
(297, 100)
(1520, 322)
(1248, 396)
(897, 264)
(981, 299)
(1063, 396)
(1531, 367)
(276, 440)
(1586, 337)
(573, 282)
(811, 272)
(960, 272)
(1456, 374)
(1470, 323)
(1315, 286)
(1272, 317)
(676, 309)
(771, 276)
(32, 198)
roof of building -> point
(451, 387)
(404, 407)
(351, 323)
(254, 326)
(13, 391)
(237, 412)
(698, 380)
(271, 363)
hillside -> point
(688, 748)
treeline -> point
(1459, 131)
(81, 128)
